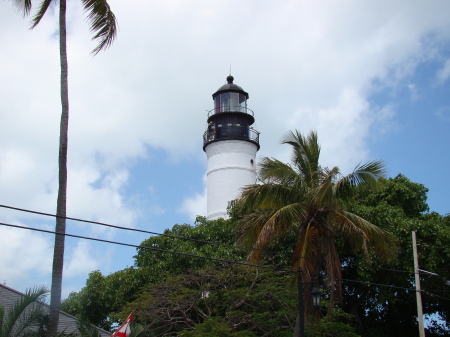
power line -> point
(396, 270)
(170, 236)
(202, 257)
(134, 229)
(434, 295)
(427, 245)
(378, 269)
(378, 284)
(396, 287)
(180, 253)
(136, 246)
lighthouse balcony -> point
(231, 109)
(226, 132)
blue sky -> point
(373, 78)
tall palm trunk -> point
(58, 254)
(103, 23)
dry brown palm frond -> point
(333, 272)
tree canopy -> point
(200, 296)
(399, 206)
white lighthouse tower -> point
(230, 144)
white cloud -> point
(81, 260)
(444, 73)
(444, 114)
(194, 205)
(306, 65)
(98, 197)
(26, 256)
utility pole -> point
(418, 291)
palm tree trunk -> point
(58, 254)
(299, 330)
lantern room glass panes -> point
(217, 104)
(230, 102)
(225, 102)
(243, 102)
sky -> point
(371, 77)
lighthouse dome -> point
(230, 87)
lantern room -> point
(230, 118)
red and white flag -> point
(124, 330)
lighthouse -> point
(230, 143)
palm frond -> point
(2, 315)
(333, 272)
(274, 171)
(102, 22)
(324, 193)
(305, 155)
(362, 233)
(25, 313)
(278, 224)
(41, 12)
(251, 226)
(267, 196)
(306, 252)
(86, 329)
(367, 174)
(24, 6)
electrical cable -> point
(134, 229)
(396, 270)
(434, 295)
(180, 253)
(378, 284)
(204, 257)
(136, 246)
(160, 234)
(427, 245)
(396, 287)
(375, 268)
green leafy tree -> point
(104, 26)
(196, 242)
(399, 206)
(101, 300)
(25, 316)
(310, 200)
(214, 327)
(227, 301)
(231, 299)
(103, 297)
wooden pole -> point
(418, 292)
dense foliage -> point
(242, 300)
(196, 241)
(101, 300)
(180, 295)
(398, 206)
(226, 301)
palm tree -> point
(24, 315)
(104, 26)
(310, 199)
